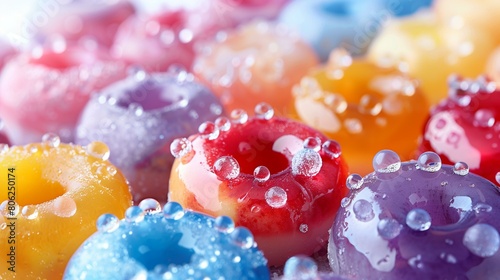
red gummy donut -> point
(45, 91)
(281, 179)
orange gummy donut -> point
(362, 106)
(51, 196)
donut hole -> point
(151, 96)
(63, 60)
(40, 191)
(165, 251)
(252, 156)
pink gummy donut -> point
(46, 90)
(92, 19)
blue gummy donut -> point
(151, 243)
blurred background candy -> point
(6, 52)
(363, 106)
(46, 89)
(258, 62)
(139, 117)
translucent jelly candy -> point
(465, 127)
(418, 220)
(363, 106)
(151, 243)
(46, 90)
(281, 179)
(259, 62)
(77, 20)
(482, 16)
(52, 195)
(431, 50)
(139, 117)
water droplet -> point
(208, 130)
(136, 109)
(261, 174)
(276, 197)
(64, 206)
(369, 104)
(363, 210)
(223, 123)
(51, 140)
(461, 168)
(264, 111)
(313, 143)
(386, 161)
(354, 126)
(224, 224)
(3, 224)
(173, 210)
(332, 149)
(134, 214)
(484, 118)
(300, 267)
(9, 209)
(388, 228)
(354, 181)
(186, 36)
(306, 162)
(239, 116)
(107, 223)
(226, 168)
(497, 177)
(418, 219)
(429, 161)
(482, 208)
(482, 240)
(98, 150)
(303, 228)
(4, 148)
(180, 147)
(29, 212)
(111, 170)
(150, 206)
(335, 102)
(345, 202)
(242, 237)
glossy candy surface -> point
(327, 24)
(417, 220)
(362, 106)
(258, 62)
(46, 90)
(281, 179)
(151, 243)
(431, 50)
(139, 117)
(466, 127)
(78, 20)
(59, 190)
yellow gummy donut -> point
(51, 195)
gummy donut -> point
(417, 220)
(56, 192)
(352, 100)
(46, 90)
(422, 42)
(78, 20)
(281, 179)
(139, 117)
(258, 62)
(327, 24)
(151, 243)
(465, 127)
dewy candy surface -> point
(139, 117)
(417, 220)
(173, 243)
(59, 191)
(466, 127)
(258, 62)
(46, 90)
(362, 106)
(430, 50)
(281, 179)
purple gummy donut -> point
(417, 220)
(139, 117)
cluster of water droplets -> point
(462, 91)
